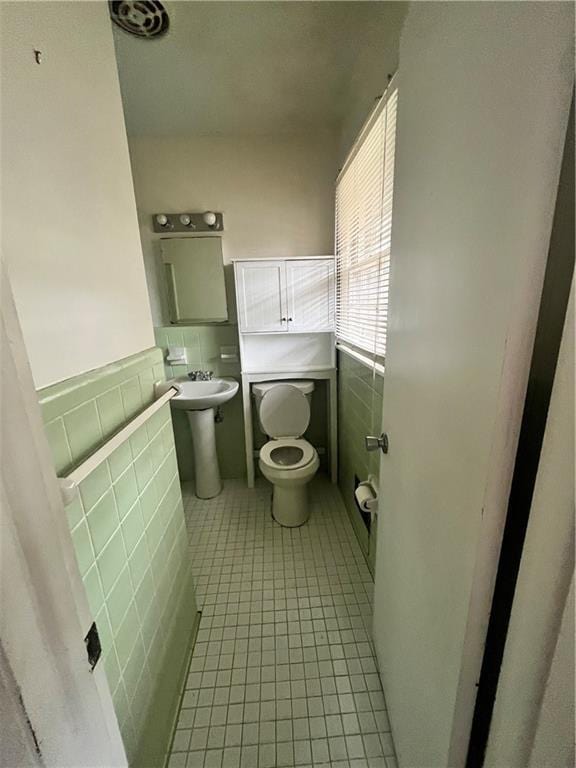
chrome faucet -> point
(200, 375)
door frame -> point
(552, 313)
(43, 605)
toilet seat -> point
(284, 412)
(280, 454)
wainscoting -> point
(359, 414)
(127, 525)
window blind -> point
(364, 192)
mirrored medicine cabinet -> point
(194, 272)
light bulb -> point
(209, 218)
(185, 219)
(162, 219)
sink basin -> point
(198, 399)
(200, 395)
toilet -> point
(288, 461)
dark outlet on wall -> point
(93, 647)
(366, 517)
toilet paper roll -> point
(366, 498)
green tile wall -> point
(128, 530)
(203, 343)
(359, 414)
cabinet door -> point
(260, 296)
(310, 292)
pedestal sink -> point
(199, 399)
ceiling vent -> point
(143, 18)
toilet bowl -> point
(288, 461)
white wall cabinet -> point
(310, 294)
(260, 296)
(285, 295)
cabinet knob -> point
(282, 319)
(289, 319)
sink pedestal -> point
(206, 469)
(199, 398)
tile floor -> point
(283, 672)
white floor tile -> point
(283, 672)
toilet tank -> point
(258, 391)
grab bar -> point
(164, 392)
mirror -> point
(195, 279)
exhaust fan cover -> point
(143, 18)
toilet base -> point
(290, 505)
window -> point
(363, 232)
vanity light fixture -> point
(207, 221)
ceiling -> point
(254, 68)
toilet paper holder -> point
(366, 494)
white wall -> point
(375, 60)
(484, 96)
(69, 228)
(277, 194)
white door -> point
(473, 207)
(310, 294)
(260, 296)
